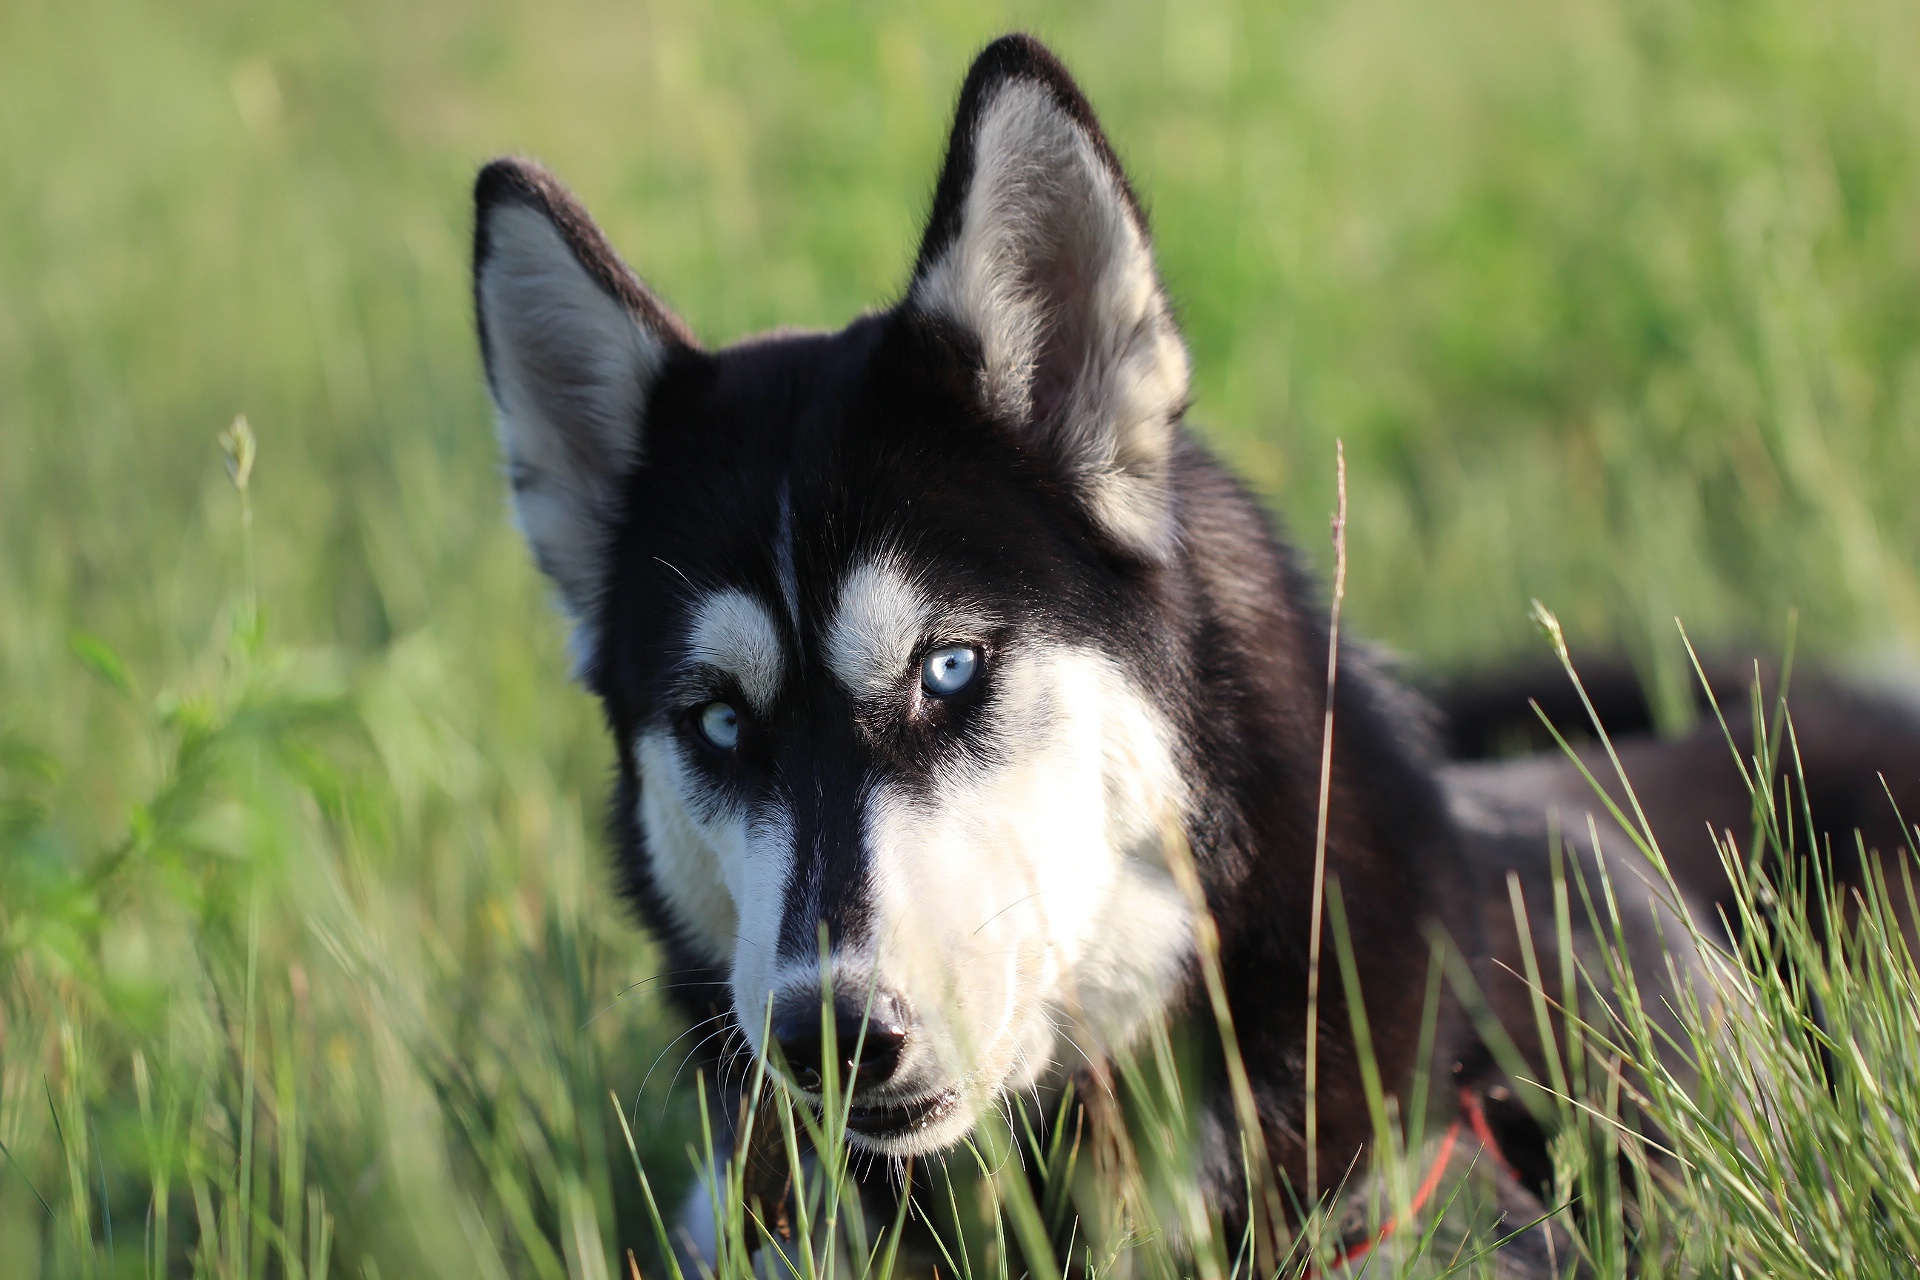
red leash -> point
(1476, 1119)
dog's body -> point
(943, 635)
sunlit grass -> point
(219, 1063)
(309, 963)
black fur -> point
(877, 436)
(1858, 747)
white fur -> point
(723, 872)
(1025, 911)
(879, 624)
(570, 368)
(758, 881)
(697, 1234)
(687, 851)
(1028, 908)
(1051, 266)
(734, 632)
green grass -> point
(307, 962)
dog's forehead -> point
(819, 609)
(859, 634)
(830, 455)
(821, 603)
(817, 506)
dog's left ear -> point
(1037, 249)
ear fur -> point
(572, 343)
(1037, 248)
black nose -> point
(797, 1029)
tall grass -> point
(308, 963)
(1772, 1134)
(219, 1063)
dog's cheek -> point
(1052, 802)
(1140, 952)
(723, 871)
(687, 855)
(989, 878)
(1094, 810)
(935, 887)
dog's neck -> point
(1259, 639)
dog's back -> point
(1845, 766)
(1845, 762)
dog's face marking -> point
(856, 604)
(734, 638)
(879, 625)
(1027, 887)
(1001, 865)
(692, 848)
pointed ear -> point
(573, 344)
(1037, 249)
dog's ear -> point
(1037, 249)
(573, 344)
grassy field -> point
(307, 962)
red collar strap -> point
(1474, 1114)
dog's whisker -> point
(667, 1048)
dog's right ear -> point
(1037, 250)
(573, 344)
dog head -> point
(882, 619)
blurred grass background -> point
(1614, 303)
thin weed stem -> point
(1320, 829)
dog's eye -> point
(720, 725)
(947, 671)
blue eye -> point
(720, 725)
(947, 671)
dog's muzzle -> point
(867, 1039)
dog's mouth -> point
(891, 1118)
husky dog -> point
(944, 639)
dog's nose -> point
(797, 1029)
